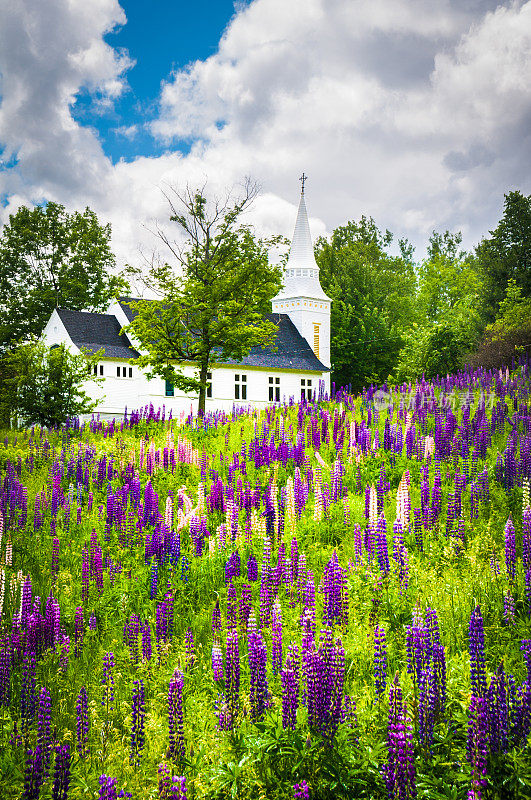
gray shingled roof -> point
(95, 332)
(292, 349)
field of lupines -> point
(324, 600)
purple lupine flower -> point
(427, 705)
(5, 671)
(381, 544)
(107, 681)
(245, 605)
(34, 774)
(138, 708)
(164, 781)
(92, 622)
(232, 607)
(44, 720)
(498, 712)
(108, 790)
(510, 550)
(28, 695)
(132, 634)
(147, 648)
(290, 679)
(380, 661)
(335, 591)
(301, 791)
(216, 619)
(527, 582)
(508, 609)
(476, 645)
(526, 538)
(82, 723)
(177, 788)
(276, 629)
(259, 693)
(176, 716)
(85, 575)
(400, 768)
(217, 662)
(477, 742)
(252, 569)
(61, 780)
(324, 671)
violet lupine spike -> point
(400, 768)
(380, 661)
(510, 550)
(301, 791)
(245, 605)
(28, 695)
(216, 619)
(138, 711)
(259, 692)
(176, 716)
(61, 780)
(82, 723)
(498, 712)
(177, 788)
(526, 538)
(107, 681)
(229, 705)
(147, 648)
(232, 607)
(477, 743)
(44, 721)
(276, 629)
(34, 774)
(5, 670)
(476, 645)
(217, 662)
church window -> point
(97, 369)
(316, 339)
(274, 390)
(169, 390)
(240, 387)
(306, 388)
(122, 372)
(209, 385)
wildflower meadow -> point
(324, 599)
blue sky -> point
(414, 112)
(161, 37)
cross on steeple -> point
(303, 178)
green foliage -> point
(510, 335)
(506, 254)
(45, 384)
(50, 258)
(372, 300)
(212, 310)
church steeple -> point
(302, 296)
(301, 276)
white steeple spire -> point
(302, 297)
(301, 276)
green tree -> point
(50, 258)
(510, 335)
(46, 384)
(213, 309)
(449, 311)
(372, 295)
(506, 254)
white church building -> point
(298, 365)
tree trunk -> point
(202, 389)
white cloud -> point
(413, 111)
